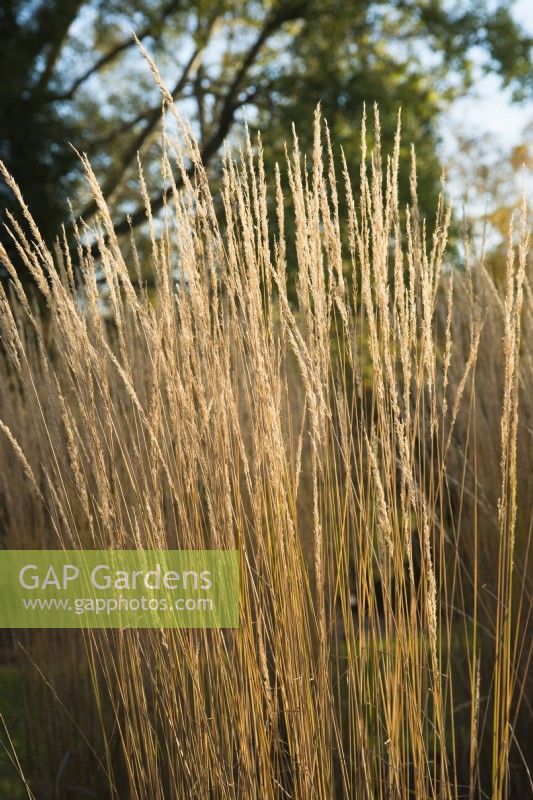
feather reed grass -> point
(365, 445)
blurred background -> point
(73, 79)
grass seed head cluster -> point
(365, 444)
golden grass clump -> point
(366, 445)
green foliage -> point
(74, 77)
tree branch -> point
(112, 54)
(207, 153)
(152, 118)
(231, 103)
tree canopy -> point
(73, 76)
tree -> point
(76, 77)
(490, 181)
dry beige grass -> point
(368, 450)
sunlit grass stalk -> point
(340, 439)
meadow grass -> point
(365, 444)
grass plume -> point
(365, 444)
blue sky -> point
(489, 110)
